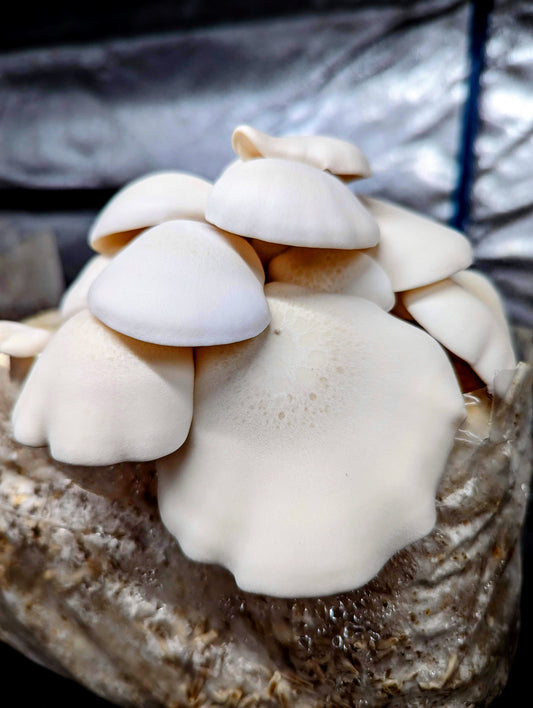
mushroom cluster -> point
(285, 350)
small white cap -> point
(332, 271)
(414, 250)
(339, 157)
(98, 398)
(75, 297)
(21, 340)
(145, 202)
(316, 448)
(465, 325)
(282, 201)
(183, 283)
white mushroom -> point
(465, 325)
(316, 448)
(75, 297)
(145, 202)
(282, 201)
(183, 283)
(332, 271)
(22, 340)
(340, 157)
(480, 286)
(97, 397)
(414, 250)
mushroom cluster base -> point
(94, 587)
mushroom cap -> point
(465, 325)
(98, 398)
(21, 340)
(414, 250)
(283, 201)
(339, 157)
(145, 202)
(333, 271)
(316, 448)
(183, 283)
(479, 285)
(75, 297)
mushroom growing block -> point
(316, 448)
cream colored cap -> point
(183, 283)
(75, 297)
(340, 157)
(282, 201)
(332, 271)
(414, 250)
(21, 340)
(98, 398)
(316, 448)
(465, 325)
(145, 202)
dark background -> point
(66, 198)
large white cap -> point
(75, 297)
(414, 250)
(21, 340)
(183, 283)
(97, 397)
(465, 325)
(282, 201)
(332, 271)
(316, 448)
(337, 156)
(145, 202)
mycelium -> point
(97, 397)
(145, 202)
(334, 271)
(337, 156)
(183, 283)
(315, 449)
(414, 250)
(288, 202)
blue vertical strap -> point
(478, 33)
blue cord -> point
(478, 33)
